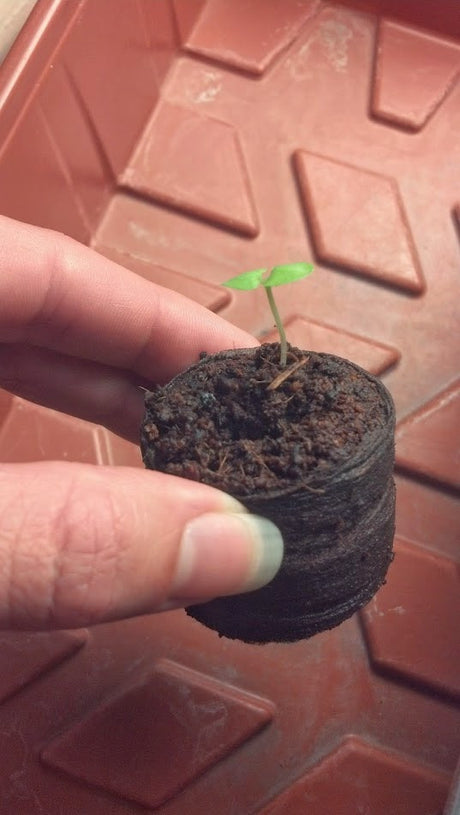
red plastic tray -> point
(304, 130)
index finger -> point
(58, 294)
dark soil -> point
(311, 447)
(225, 424)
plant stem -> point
(279, 325)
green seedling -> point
(278, 276)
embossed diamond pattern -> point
(224, 30)
(414, 73)
(358, 221)
(400, 623)
(214, 718)
(199, 169)
(428, 441)
(384, 782)
(27, 655)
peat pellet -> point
(310, 446)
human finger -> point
(57, 294)
(91, 391)
(81, 544)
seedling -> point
(278, 276)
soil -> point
(226, 425)
(311, 447)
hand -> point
(80, 544)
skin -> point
(80, 544)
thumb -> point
(81, 544)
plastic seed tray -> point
(190, 140)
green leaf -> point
(287, 274)
(246, 280)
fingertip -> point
(222, 554)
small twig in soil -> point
(252, 453)
(222, 463)
(312, 489)
(278, 380)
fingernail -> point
(222, 554)
(268, 550)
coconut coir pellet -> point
(314, 454)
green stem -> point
(279, 325)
